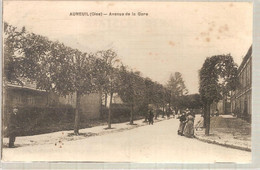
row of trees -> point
(52, 66)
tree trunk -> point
(169, 108)
(224, 105)
(109, 111)
(77, 114)
(146, 114)
(207, 119)
(132, 114)
(204, 114)
(163, 112)
(101, 108)
(105, 99)
(156, 113)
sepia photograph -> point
(127, 81)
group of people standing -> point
(186, 127)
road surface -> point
(151, 143)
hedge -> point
(31, 118)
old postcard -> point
(122, 81)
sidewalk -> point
(227, 131)
(57, 138)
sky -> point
(174, 36)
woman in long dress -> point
(189, 127)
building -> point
(90, 105)
(29, 96)
(223, 106)
(241, 98)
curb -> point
(223, 144)
(129, 128)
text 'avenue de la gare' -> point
(99, 14)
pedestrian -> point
(151, 115)
(182, 123)
(189, 127)
(200, 123)
(13, 126)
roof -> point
(23, 87)
(245, 59)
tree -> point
(218, 76)
(157, 97)
(148, 95)
(71, 72)
(13, 39)
(65, 71)
(131, 89)
(107, 75)
(165, 99)
(176, 89)
(192, 101)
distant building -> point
(241, 98)
(223, 106)
(116, 99)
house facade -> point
(241, 98)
